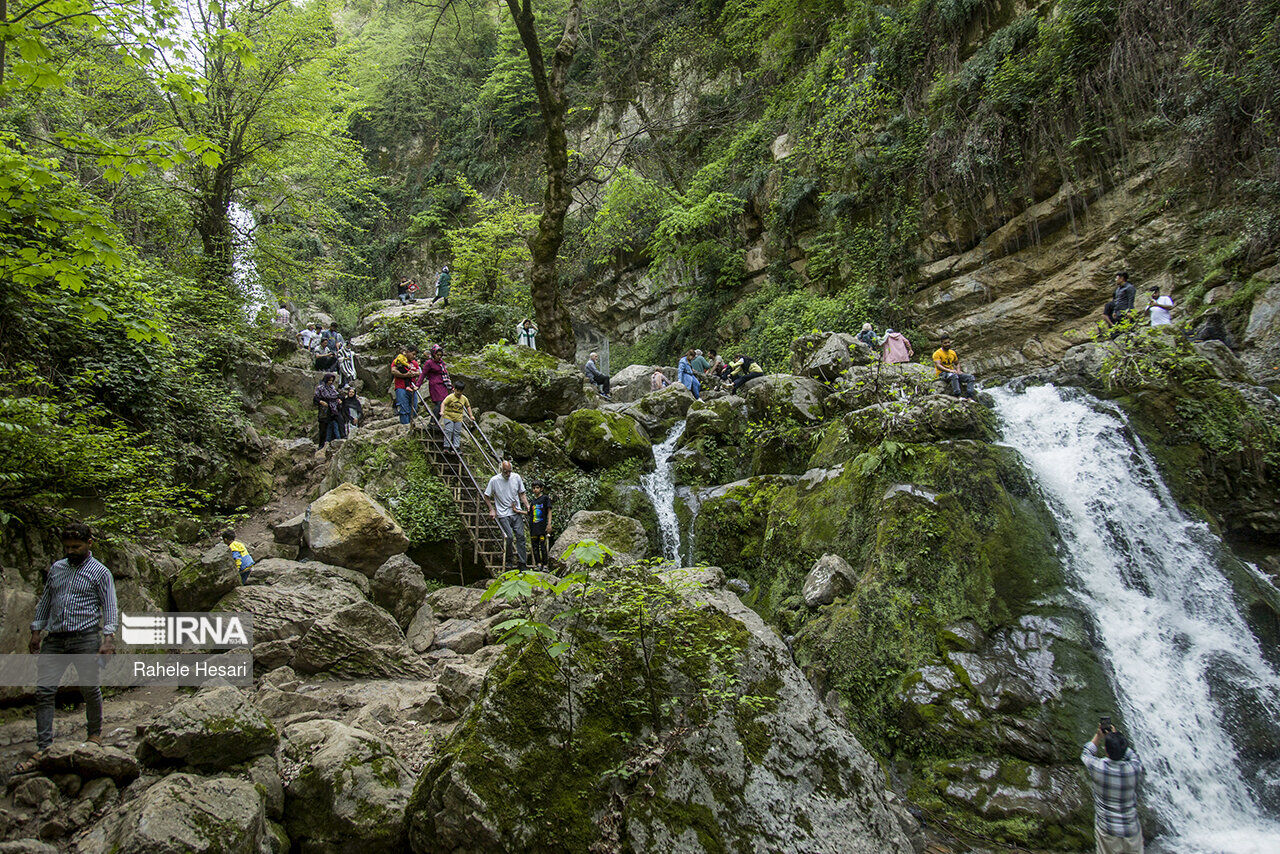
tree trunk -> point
(213, 223)
(555, 328)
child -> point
(453, 409)
(240, 552)
(540, 525)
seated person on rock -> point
(743, 370)
(596, 375)
(867, 335)
(947, 364)
(658, 380)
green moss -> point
(753, 733)
(729, 529)
(601, 439)
(508, 363)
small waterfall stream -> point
(244, 272)
(660, 486)
(1188, 671)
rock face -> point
(624, 535)
(185, 814)
(89, 761)
(216, 728)
(925, 419)
(200, 584)
(345, 790)
(784, 396)
(599, 439)
(347, 528)
(780, 777)
(399, 587)
(358, 640)
(830, 578)
(861, 387)
(827, 356)
(632, 382)
(659, 410)
(520, 383)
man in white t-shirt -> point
(1161, 309)
(308, 336)
(505, 495)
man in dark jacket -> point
(1122, 301)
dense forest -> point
(370, 141)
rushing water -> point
(1185, 664)
(660, 486)
(244, 272)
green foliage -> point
(424, 507)
(491, 253)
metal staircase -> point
(457, 470)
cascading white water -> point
(660, 486)
(244, 272)
(1165, 615)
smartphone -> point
(1105, 723)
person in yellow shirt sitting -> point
(947, 364)
(453, 409)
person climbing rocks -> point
(658, 380)
(442, 286)
(867, 336)
(405, 291)
(1160, 309)
(405, 374)
(896, 349)
(75, 615)
(527, 334)
(743, 370)
(540, 526)
(454, 409)
(699, 364)
(1114, 779)
(506, 496)
(1123, 297)
(720, 368)
(327, 400)
(597, 376)
(436, 375)
(282, 316)
(684, 372)
(240, 552)
(947, 368)
(307, 337)
(351, 410)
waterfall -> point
(244, 273)
(1166, 620)
(661, 489)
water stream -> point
(1188, 672)
(244, 272)
(660, 486)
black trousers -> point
(539, 540)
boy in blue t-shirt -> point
(240, 552)
(540, 525)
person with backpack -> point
(240, 552)
(442, 286)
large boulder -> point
(359, 640)
(88, 761)
(399, 587)
(348, 528)
(625, 536)
(293, 596)
(659, 410)
(216, 728)
(599, 439)
(827, 356)
(345, 789)
(632, 382)
(201, 583)
(521, 383)
(927, 419)
(714, 419)
(776, 396)
(880, 383)
(775, 774)
(830, 578)
(519, 442)
(185, 814)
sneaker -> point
(94, 739)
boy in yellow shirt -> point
(947, 365)
(453, 409)
(240, 552)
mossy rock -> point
(925, 419)
(598, 439)
(729, 528)
(708, 461)
(714, 419)
(522, 442)
(629, 499)
(520, 383)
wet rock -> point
(784, 396)
(964, 636)
(348, 528)
(215, 728)
(345, 790)
(599, 439)
(1001, 790)
(830, 578)
(184, 814)
(201, 583)
(625, 536)
(361, 639)
(399, 587)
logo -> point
(206, 631)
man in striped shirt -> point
(79, 599)
(1115, 779)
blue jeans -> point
(404, 404)
(49, 672)
(956, 380)
(452, 433)
(330, 431)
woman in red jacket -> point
(436, 376)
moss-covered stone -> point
(730, 526)
(519, 382)
(598, 439)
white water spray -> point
(244, 273)
(1165, 615)
(660, 486)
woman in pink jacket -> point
(436, 376)
(896, 348)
